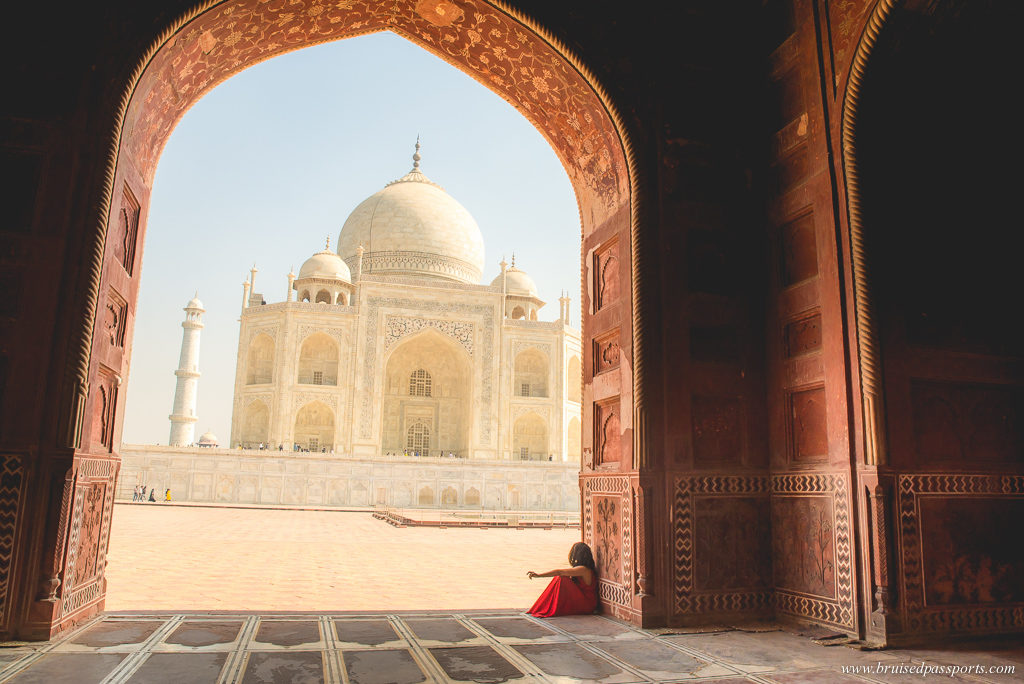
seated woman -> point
(573, 591)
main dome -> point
(414, 227)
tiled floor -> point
(484, 647)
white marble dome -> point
(208, 439)
(325, 264)
(517, 283)
(414, 227)
(194, 303)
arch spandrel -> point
(478, 38)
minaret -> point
(183, 415)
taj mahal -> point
(392, 346)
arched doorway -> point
(927, 128)
(259, 367)
(314, 427)
(255, 425)
(527, 66)
(530, 374)
(428, 396)
(530, 438)
(318, 361)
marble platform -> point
(484, 647)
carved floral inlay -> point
(397, 327)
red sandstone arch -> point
(496, 45)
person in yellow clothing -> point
(167, 495)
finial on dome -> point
(328, 247)
(416, 156)
(513, 259)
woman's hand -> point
(531, 574)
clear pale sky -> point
(270, 163)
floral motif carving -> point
(397, 327)
(482, 41)
(606, 526)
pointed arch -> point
(259, 362)
(314, 427)
(531, 369)
(318, 360)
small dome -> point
(208, 439)
(517, 283)
(325, 264)
(194, 303)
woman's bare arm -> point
(578, 571)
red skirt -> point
(566, 596)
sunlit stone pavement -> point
(195, 587)
(489, 647)
(189, 558)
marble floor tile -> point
(660, 661)
(573, 663)
(201, 633)
(592, 626)
(445, 630)
(177, 668)
(481, 664)
(516, 628)
(366, 632)
(292, 667)
(70, 668)
(287, 633)
(382, 667)
(120, 634)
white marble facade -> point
(392, 346)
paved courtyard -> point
(190, 558)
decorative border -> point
(867, 337)
(424, 262)
(917, 617)
(398, 327)
(685, 600)
(89, 471)
(611, 592)
(12, 494)
(840, 612)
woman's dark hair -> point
(580, 554)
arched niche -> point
(259, 362)
(574, 438)
(318, 360)
(323, 297)
(255, 424)
(518, 313)
(530, 438)
(574, 379)
(428, 382)
(314, 427)
(531, 369)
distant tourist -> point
(573, 591)
(142, 494)
(152, 494)
(135, 493)
(167, 495)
